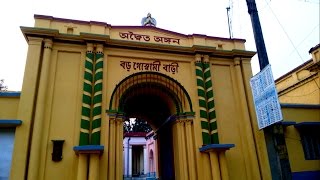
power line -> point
(305, 38)
(285, 32)
(309, 1)
(295, 48)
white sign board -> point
(265, 98)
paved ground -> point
(139, 178)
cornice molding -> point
(297, 84)
(297, 69)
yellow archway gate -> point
(83, 78)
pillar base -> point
(88, 149)
(218, 160)
(216, 147)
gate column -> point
(185, 153)
(145, 160)
(112, 147)
(115, 164)
(39, 120)
(130, 160)
(180, 152)
(190, 146)
(119, 146)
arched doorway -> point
(157, 99)
(146, 104)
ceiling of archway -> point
(167, 87)
(148, 103)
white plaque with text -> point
(265, 98)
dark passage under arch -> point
(155, 98)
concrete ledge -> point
(89, 149)
(216, 147)
(10, 122)
(10, 94)
(303, 106)
(287, 123)
(307, 124)
(303, 175)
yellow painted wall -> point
(293, 141)
(307, 93)
(115, 73)
(228, 113)
(301, 114)
(63, 114)
(9, 107)
(300, 86)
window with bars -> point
(310, 140)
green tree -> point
(137, 125)
(2, 86)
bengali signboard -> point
(150, 66)
(265, 98)
(143, 37)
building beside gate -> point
(139, 155)
(82, 78)
(299, 96)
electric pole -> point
(274, 137)
(257, 32)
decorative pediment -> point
(145, 37)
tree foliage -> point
(2, 86)
(137, 125)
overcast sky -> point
(290, 27)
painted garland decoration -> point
(92, 99)
(86, 99)
(97, 99)
(206, 103)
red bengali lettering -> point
(133, 36)
(158, 39)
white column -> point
(125, 158)
(155, 158)
(130, 160)
(145, 159)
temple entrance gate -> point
(83, 78)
